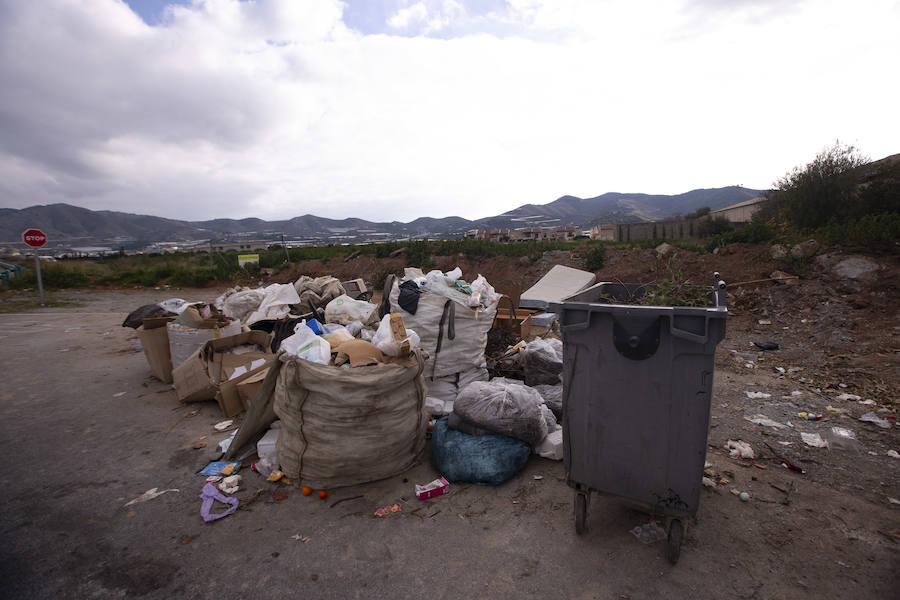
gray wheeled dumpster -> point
(637, 386)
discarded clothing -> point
(409, 296)
(210, 495)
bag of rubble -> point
(542, 361)
(504, 408)
(343, 427)
(319, 291)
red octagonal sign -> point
(34, 238)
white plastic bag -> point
(345, 309)
(307, 345)
(175, 305)
(276, 303)
(485, 290)
(452, 276)
(384, 338)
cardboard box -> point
(235, 395)
(201, 375)
(155, 339)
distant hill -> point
(73, 226)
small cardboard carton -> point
(155, 340)
(201, 375)
(438, 487)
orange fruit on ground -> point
(323, 494)
(306, 490)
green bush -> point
(595, 258)
(822, 190)
(878, 228)
(715, 226)
(753, 233)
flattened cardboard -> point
(155, 339)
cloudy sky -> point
(397, 109)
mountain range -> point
(70, 225)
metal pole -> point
(287, 256)
(37, 268)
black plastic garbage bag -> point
(137, 316)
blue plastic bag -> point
(483, 459)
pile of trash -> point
(337, 390)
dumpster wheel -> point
(676, 534)
(581, 505)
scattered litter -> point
(796, 393)
(764, 322)
(300, 538)
(709, 482)
(809, 416)
(867, 402)
(149, 495)
(210, 495)
(230, 484)
(649, 532)
(841, 438)
(214, 478)
(849, 397)
(764, 420)
(870, 417)
(539, 477)
(756, 395)
(223, 425)
(389, 509)
(786, 443)
(893, 501)
(220, 468)
(438, 487)
(744, 496)
(813, 439)
(766, 345)
(275, 475)
(830, 408)
(893, 454)
(119, 395)
(739, 449)
(780, 369)
(759, 466)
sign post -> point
(36, 238)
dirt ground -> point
(86, 429)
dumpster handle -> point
(687, 335)
(577, 326)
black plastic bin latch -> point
(636, 336)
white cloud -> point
(409, 15)
(276, 109)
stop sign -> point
(34, 238)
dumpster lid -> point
(559, 283)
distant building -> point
(603, 232)
(741, 212)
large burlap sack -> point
(461, 330)
(342, 427)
